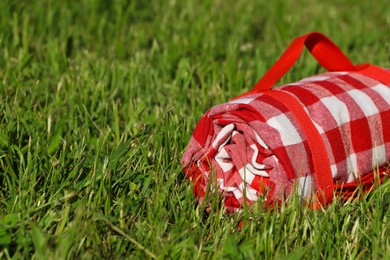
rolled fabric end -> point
(237, 163)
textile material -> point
(252, 148)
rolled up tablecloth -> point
(312, 136)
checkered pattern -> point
(252, 148)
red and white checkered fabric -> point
(252, 147)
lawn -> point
(98, 100)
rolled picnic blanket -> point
(325, 133)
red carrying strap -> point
(323, 50)
(319, 155)
(332, 59)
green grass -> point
(98, 100)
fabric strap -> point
(333, 59)
(319, 155)
(323, 50)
